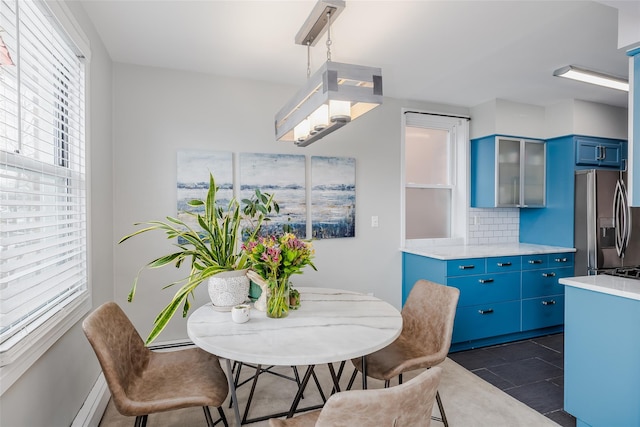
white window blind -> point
(43, 233)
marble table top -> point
(331, 325)
(606, 284)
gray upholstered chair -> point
(427, 326)
(405, 405)
(142, 381)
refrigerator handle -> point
(621, 218)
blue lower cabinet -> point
(502, 299)
(542, 312)
(465, 267)
(486, 320)
(487, 288)
(537, 283)
(504, 264)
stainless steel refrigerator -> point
(606, 229)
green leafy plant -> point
(211, 248)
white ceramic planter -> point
(228, 289)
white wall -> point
(576, 117)
(502, 117)
(52, 391)
(570, 117)
(157, 112)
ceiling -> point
(461, 53)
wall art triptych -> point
(330, 194)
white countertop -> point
(330, 326)
(484, 251)
(606, 284)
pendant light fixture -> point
(335, 95)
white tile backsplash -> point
(491, 226)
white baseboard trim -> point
(94, 406)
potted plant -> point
(212, 248)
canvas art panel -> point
(192, 181)
(333, 197)
(282, 175)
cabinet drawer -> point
(538, 283)
(564, 259)
(503, 264)
(488, 320)
(465, 267)
(530, 262)
(487, 288)
(542, 312)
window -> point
(435, 164)
(43, 216)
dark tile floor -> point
(532, 371)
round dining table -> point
(330, 326)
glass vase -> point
(278, 297)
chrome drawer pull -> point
(486, 311)
(552, 302)
(504, 264)
(535, 261)
(548, 274)
(466, 267)
(561, 260)
(485, 280)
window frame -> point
(458, 126)
(42, 334)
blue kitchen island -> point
(602, 350)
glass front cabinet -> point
(507, 172)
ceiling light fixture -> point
(593, 77)
(335, 95)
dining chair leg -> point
(141, 421)
(223, 417)
(443, 416)
(207, 416)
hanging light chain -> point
(308, 59)
(329, 36)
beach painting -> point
(333, 197)
(282, 175)
(192, 180)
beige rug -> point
(469, 401)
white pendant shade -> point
(301, 131)
(319, 119)
(340, 111)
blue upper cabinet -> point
(507, 172)
(599, 152)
